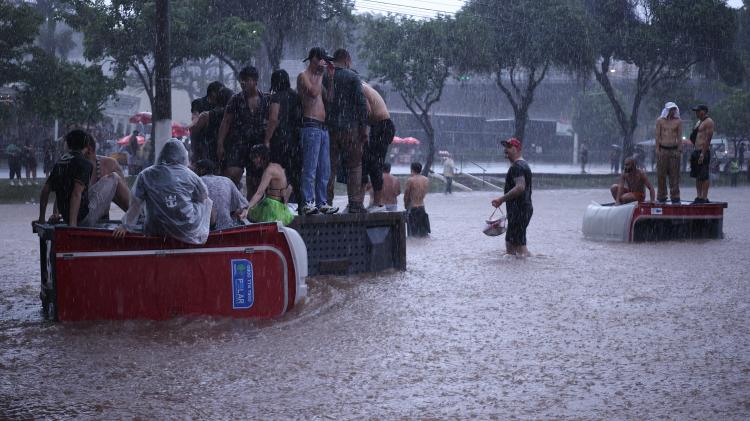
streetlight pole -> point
(162, 116)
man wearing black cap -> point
(701, 156)
(316, 161)
(517, 199)
(347, 121)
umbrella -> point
(143, 117)
(179, 130)
(126, 139)
(405, 141)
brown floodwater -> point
(582, 329)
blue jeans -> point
(316, 164)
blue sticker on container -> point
(242, 284)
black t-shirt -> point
(520, 168)
(71, 168)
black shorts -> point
(237, 153)
(373, 157)
(518, 221)
(699, 171)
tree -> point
(76, 95)
(233, 40)
(415, 58)
(121, 32)
(283, 19)
(733, 115)
(18, 27)
(520, 42)
(593, 120)
(663, 40)
(54, 38)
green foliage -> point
(122, 32)
(71, 92)
(18, 27)
(519, 41)
(415, 57)
(284, 19)
(732, 115)
(665, 40)
(593, 120)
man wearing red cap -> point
(517, 199)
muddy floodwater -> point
(581, 330)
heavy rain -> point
(370, 209)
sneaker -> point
(375, 209)
(676, 201)
(661, 200)
(12, 182)
(699, 201)
(327, 209)
(309, 209)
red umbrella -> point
(179, 130)
(405, 141)
(126, 139)
(142, 117)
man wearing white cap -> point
(668, 152)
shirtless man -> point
(701, 156)
(632, 185)
(418, 222)
(668, 152)
(391, 189)
(382, 131)
(316, 161)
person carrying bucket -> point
(517, 198)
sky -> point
(429, 8)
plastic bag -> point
(176, 199)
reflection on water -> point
(582, 330)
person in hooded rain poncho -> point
(176, 199)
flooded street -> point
(582, 330)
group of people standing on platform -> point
(633, 182)
(288, 142)
(333, 126)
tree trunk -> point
(521, 115)
(430, 132)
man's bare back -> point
(391, 189)
(375, 104)
(310, 88)
(668, 132)
(416, 190)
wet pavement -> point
(581, 330)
